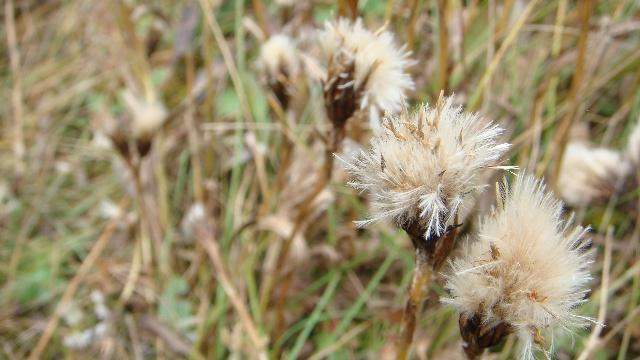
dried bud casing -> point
(479, 336)
(436, 248)
(341, 98)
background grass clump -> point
(195, 248)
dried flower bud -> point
(526, 273)
(590, 174)
(363, 69)
(279, 61)
(422, 168)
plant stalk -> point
(417, 293)
(431, 253)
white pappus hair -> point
(528, 268)
(379, 64)
(424, 165)
(279, 55)
(588, 174)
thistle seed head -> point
(527, 271)
(590, 174)
(279, 61)
(424, 165)
(363, 69)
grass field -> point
(202, 240)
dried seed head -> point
(425, 164)
(363, 69)
(590, 174)
(279, 61)
(134, 129)
(146, 116)
(528, 269)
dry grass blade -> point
(207, 240)
(443, 44)
(592, 342)
(561, 137)
(221, 123)
(237, 84)
(16, 91)
(72, 286)
(508, 41)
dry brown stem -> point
(417, 293)
(430, 254)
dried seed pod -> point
(478, 335)
(363, 69)
(526, 273)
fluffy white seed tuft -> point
(147, 116)
(279, 61)
(528, 268)
(425, 164)
(590, 174)
(379, 63)
(279, 57)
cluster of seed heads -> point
(526, 269)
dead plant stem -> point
(417, 293)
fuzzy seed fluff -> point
(589, 174)
(379, 63)
(279, 57)
(528, 268)
(424, 165)
(147, 116)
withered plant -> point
(525, 272)
(420, 171)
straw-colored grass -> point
(211, 245)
